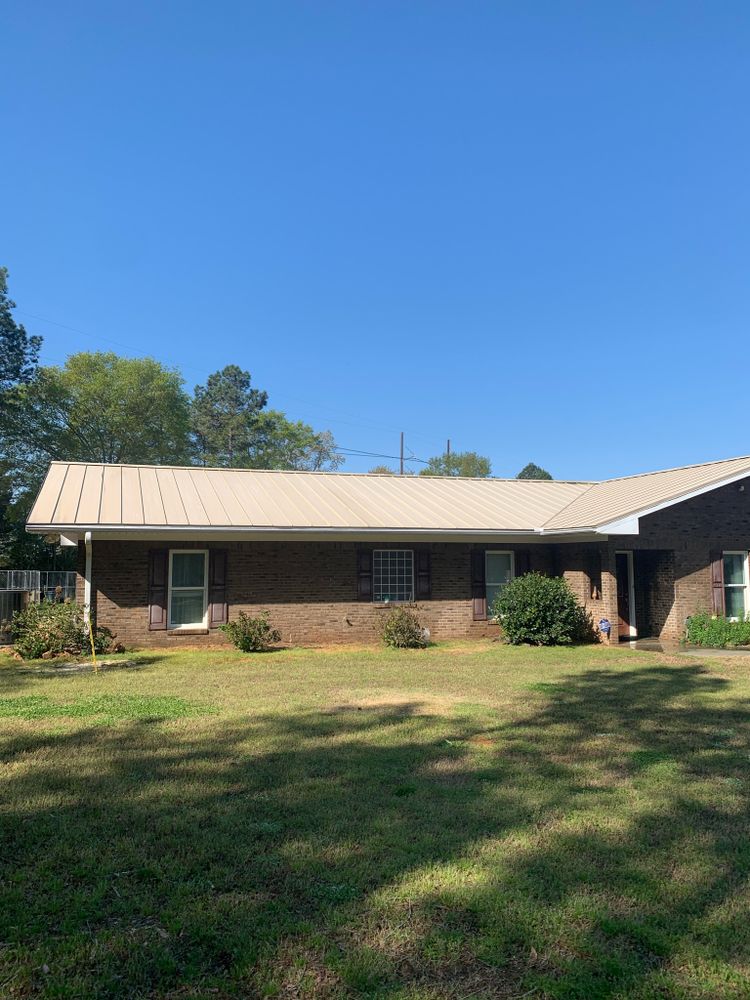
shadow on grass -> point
(596, 847)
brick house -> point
(166, 555)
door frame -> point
(631, 591)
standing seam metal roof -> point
(80, 495)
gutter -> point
(87, 580)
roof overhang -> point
(629, 525)
(72, 534)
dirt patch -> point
(72, 667)
(407, 702)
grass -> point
(467, 821)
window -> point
(187, 588)
(735, 584)
(498, 572)
(392, 575)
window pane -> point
(734, 602)
(188, 569)
(734, 567)
(393, 575)
(187, 607)
(498, 567)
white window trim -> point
(409, 600)
(204, 623)
(737, 586)
(633, 624)
(497, 552)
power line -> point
(352, 452)
(376, 454)
(205, 373)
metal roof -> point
(80, 496)
(616, 499)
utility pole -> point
(401, 472)
(448, 449)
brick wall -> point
(309, 588)
(686, 534)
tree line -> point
(100, 407)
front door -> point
(625, 611)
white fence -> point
(19, 587)
(41, 583)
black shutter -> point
(158, 568)
(364, 575)
(717, 582)
(217, 588)
(478, 591)
(522, 562)
(424, 577)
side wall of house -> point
(685, 535)
(309, 588)
(672, 560)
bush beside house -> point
(401, 629)
(717, 631)
(50, 629)
(542, 611)
(252, 635)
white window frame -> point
(497, 552)
(201, 624)
(737, 586)
(409, 600)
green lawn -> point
(462, 822)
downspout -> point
(87, 580)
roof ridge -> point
(573, 500)
(676, 468)
(330, 472)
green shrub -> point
(542, 611)
(401, 629)
(716, 631)
(54, 629)
(252, 635)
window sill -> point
(393, 604)
(187, 631)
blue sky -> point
(524, 226)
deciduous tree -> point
(279, 443)
(458, 463)
(98, 407)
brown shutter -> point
(478, 592)
(158, 567)
(717, 582)
(217, 588)
(595, 575)
(522, 562)
(424, 577)
(364, 575)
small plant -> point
(717, 631)
(50, 629)
(252, 635)
(542, 611)
(401, 629)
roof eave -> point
(72, 532)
